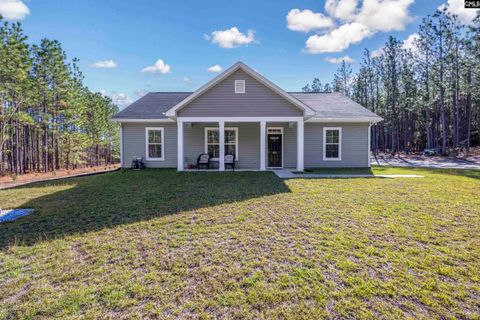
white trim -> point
(262, 144)
(143, 120)
(275, 128)
(240, 119)
(339, 143)
(244, 89)
(162, 158)
(172, 112)
(217, 128)
(368, 145)
(372, 120)
(180, 146)
(348, 120)
(221, 142)
(121, 146)
(281, 133)
(300, 145)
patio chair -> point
(137, 163)
(203, 160)
(230, 161)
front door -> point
(274, 150)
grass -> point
(157, 243)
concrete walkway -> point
(289, 174)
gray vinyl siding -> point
(134, 144)
(248, 143)
(222, 101)
(354, 145)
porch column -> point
(263, 126)
(121, 145)
(179, 145)
(221, 142)
(300, 141)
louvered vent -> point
(239, 86)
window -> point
(239, 86)
(332, 144)
(154, 143)
(212, 138)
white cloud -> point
(457, 7)
(385, 15)
(341, 9)
(339, 39)
(215, 68)
(409, 43)
(105, 64)
(140, 92)
(347, 59)
(231, 38)
(307, 20)
(158, 67)
(119, 98)
(356, 20)
(13, 9)
(377, 53)
(186, 79)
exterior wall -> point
(134, 144)
(222, 101)
(354, 145)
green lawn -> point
(158, 243)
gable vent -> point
(239, 86)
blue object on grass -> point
(13, 214)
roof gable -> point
(307, 111)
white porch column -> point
(179, 145)
(300, 141)
(221, 142)
(121, 145)
(369, 144)
(263, 126)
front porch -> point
(257, 143)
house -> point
(242, 113)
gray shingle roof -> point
(333, 105)
(152, 105)
(326, 105)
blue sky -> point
(136, 34)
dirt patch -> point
(9, 181)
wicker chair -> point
(203, 160)
(230, 161)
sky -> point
(128, 48)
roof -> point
(327, 105)
(153, 105)
(334, 105)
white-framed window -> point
(332, 143)
(212, 138)
(154, 143)
(239, 86)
